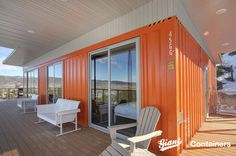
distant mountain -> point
(17, 82)
(119, 85)
(11, 81)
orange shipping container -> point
(172, 79)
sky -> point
(119, 67)
(7, 70)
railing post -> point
(8, 93)
(103, 96)
(118, 96)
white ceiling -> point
(54, 22)
(221, 28)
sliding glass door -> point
(114, 85)
(31, 78)
(25, 84)
(55, 82)
(99, 88)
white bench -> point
(63, 111)
(28, 103)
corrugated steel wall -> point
(76, 83)
(42, 84)
(158, 82)
(172, 78)
(191, 62)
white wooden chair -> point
(63, 111)
(28, 103)
(138, 145)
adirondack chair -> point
(138, 145)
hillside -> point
(11, 81)
(115, 85)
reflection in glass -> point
(36, 81)
(50, 83)
(123, 86)
(32, 82)
(58, 81)
(29, 84)
(99, 89)
(113, 86)
(55, 82)
(25, 84)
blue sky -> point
(119, 67)
(6, 69)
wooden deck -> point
(20, 136)
(218, 129)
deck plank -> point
(217, 128)
(20, 136)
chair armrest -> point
(136, 139)
(123, 126)
(46, 108)
(74, 111)
(141, 138)
(113, 129)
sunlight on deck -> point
(215, 129)
(11, 152)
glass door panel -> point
(123, 104)
(50, 84)
(25, 84)
(99, 89)
(55, 82)
(36, 81)
(58, 82)
(113, 86)
(29, 84)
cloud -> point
(8, 67)
(4, 52)
(114, 62)
(102, 61)
(2, 57)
